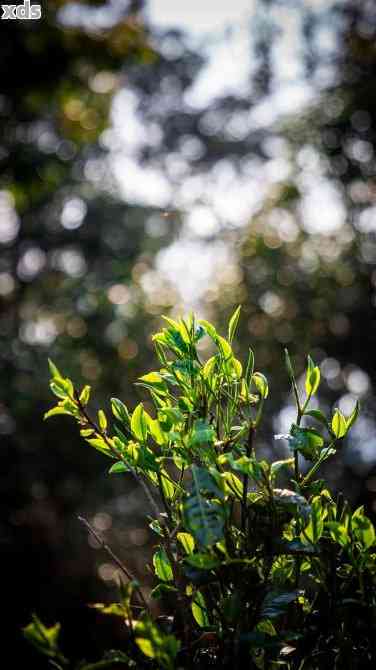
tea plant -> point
(247, 571)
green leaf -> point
(233, 484)
(199, 610)
(247, 465)
(176, 342)
(44, 638)
(211, 331)
(363, 529)
(156, 527)
(59, 388)
(294, 502)
(338, 532)
(187, 542)
(162, 566)
(168, 486)
(277, 602)
(318, 415)
(203, 561)
(102, 420)
(250, 366)
(154, 381)
(155, 644)
(100, 444)
(56, 410)
(155, 430)
(204, 518)
(289, 367)
(202, 433)
(209, 367)
(114, 609)
(55, 374)
(118, 467)
(224, 347)
(339, 424)
(233, 323)
(312, 378)
(169, 417)
(315, 527)
(85, 395)
(87, 432)
(307, 441)
(139, 425)
(120, 411)
(353, 416)
(261, 384)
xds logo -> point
(24, 11)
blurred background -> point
(158, 157)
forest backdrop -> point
(152, 163)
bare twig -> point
(116, 560)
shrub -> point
(249, 570)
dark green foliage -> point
(264, 567)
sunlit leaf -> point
(187, 542)
(204, 518)
(312, 378)
(162, 566)
(233, 323)
(199, 610)
(261, 384)
(339, 424)
(85, 395)
(102, 420)
(139, 424)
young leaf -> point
(353, 416)
(338, 532)
(162, 566)
(55, 374)
(199, 610)
(233, 323)
(85, 395)
(312, 378)
(154, 381)
(120, 411)
(187, 542)
(224, 348)
(102, 420)
(250, 366)
(209, 367)
(45, 639)
(339, 424)
(139, 426)
(56, 410)
(211, 331)
(118, 467)
(261, 384)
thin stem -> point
(251, 433)
(116, 560)
(103, 434)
